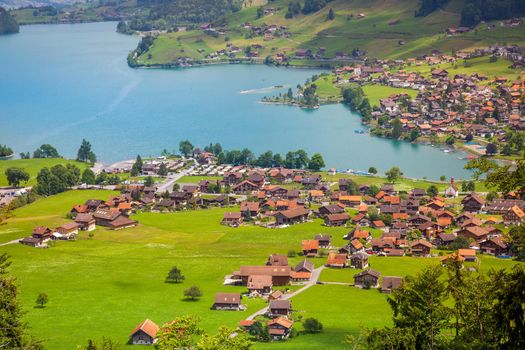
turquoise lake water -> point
(62, 83)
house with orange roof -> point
(467, 254)
(337, 260)
(310, 247)
(514, 216)
(280, 328)
(145, 333)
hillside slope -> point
(8, 24)
(377, 28)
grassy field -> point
(378, 92)
(346, 32)
(33, 166)
(196, 179)
(106, 285)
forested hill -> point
(8, 24)
(193, 11)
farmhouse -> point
(337, 260)
(467, 254)
(390, 283)
(280, 274)
(39, 237)
(367, 279)
(86, 222)
(310, 247)
(280, 308)
(277, 260)
(249, 209)
(227, 301)
(232, 219)
(260, 284)
(359, 260)
(336, 219)
(420, 247)
(514, 216)
(473, 203)
(330, 210)
(324, 240)
(66, 231)
(292, 216)
(280, 328)
(245, 187)
(494, 246)
(145, 333)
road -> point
(10, 242)
(313, 281)
(167, 185)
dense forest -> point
(476, 11)
(8, 24)
(189, 11)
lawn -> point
(107, 284)
(378, 92)
(196, 179)
(33, 166)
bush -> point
(291, 253)
(312, 326)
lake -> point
(62, 83)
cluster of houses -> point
(113, 214)
(458, 104)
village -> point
(380, 221)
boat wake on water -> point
(263, 90)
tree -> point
(312, 325)
(414, 134)
(432, 191)
(186, 148)
(176, 187)
(85, 154)
(163, 169)
(148, 181)
(396, 129)
(46, 151)
(88, 177)
(491, 149)
(451, 139)
(42, 300)
(517, 242)
(136, 169)
(175, 275)
(12, 328)
(193, 293)
(372, 170)
(442, 178)
(289, 94)
(460, 242)
(260, 11)
(224, 340)
(419, 307)
(394, 174)
(15, 176)
(331, 14)
(179, 333)
(316, 162)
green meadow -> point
(387, 30)
(33, 166)
(106, 284)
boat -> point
(357, 131)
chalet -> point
(233, 219)
(275, 295)
(367, 279)
(359, 260)
(277, 260)
(389, 283)
(420, 247)
(302, 53)
(438, 73)
(514, 216)
(66, 231)
(280, 308)
(245, 187)
(232, 178)
(501, 206)
(292, 216)
(473, 203)
(228, 301)
(337, 260)
(280, 328)
(260, 284)
(467, 254)
(418, 219)
(310, 247)
(396, 251)
(257, 179)
(276, 191)
(311, 181)
(474, 232)
(249, 209)
(78, 209)
(387, 188)
(357, 233)
(145, 333)
(418, 193)
(351, 201)
(86, 222)
(330, 209)
(345, 184)
(280, 274)
(494, 246)
(444, 239)
(304, 266)
(336, 219)
(325, 241)
(103, 217)
(122, 222)
(93, 204)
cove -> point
(62, 83)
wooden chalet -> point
(292, 216)
(367, 279)
(277, 260)
(227, 301)
(420, 247)
(145, 333)
(325, 241)
(281, 275)
(280, 308)
(389, 283)
(260, 284)
(513, 216)
(473, 203)
(337, 260)
(310, 247)
(494, 246)
(233, 219)
(250, 209)
(336, 219)
(280, 328)
(359, 260)
(86, 222)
